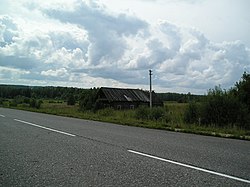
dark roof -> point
(121, 94)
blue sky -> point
(190, 45)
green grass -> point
(173, 120)
(176, 112)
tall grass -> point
(176, 113)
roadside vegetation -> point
(224, 113)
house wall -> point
(124, 105)
(120, 105)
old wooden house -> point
(120, 98)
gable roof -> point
(125, 95)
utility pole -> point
(150, 92)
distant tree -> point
(35, 103)
(181, 98)
(88, 99)
(71, 100)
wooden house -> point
(120, 98)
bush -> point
(35, 104)
(222, 109)
(13, 103)
(191, 114)
(71, 100)
(142, 112)
(145, 113)
(88, 100)
(157, 113)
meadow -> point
(170, 117)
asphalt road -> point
(46, 150)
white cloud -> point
(86, 45)
(55, 73)
(105, 32)
(11, 74)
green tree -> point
(242, 89)
(35, 103)
(71, 100)
(88, 99)
(222, 108)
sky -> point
(191, 45)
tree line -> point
(179, 97)
(48, 92)
(79, 94)
(33, 95)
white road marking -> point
(2, 116)
(32, 124)
(190, 166)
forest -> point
(76, 94)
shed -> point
(121, 98)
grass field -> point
(172, 120)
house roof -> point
(124, 95)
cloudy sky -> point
(191, 45)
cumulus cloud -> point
(88, 46)
(105, 32)
(193, 62)
(8, 30)
(55, 73)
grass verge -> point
(174, 121)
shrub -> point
(71, 100)
(35, 104)
(21, 99)
(38, 104)
(145, 113)
(157, 113)
(142, 112)
(13, 103)
(222, 109)
(191, 114)
(88, 100)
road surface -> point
(46, 150)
